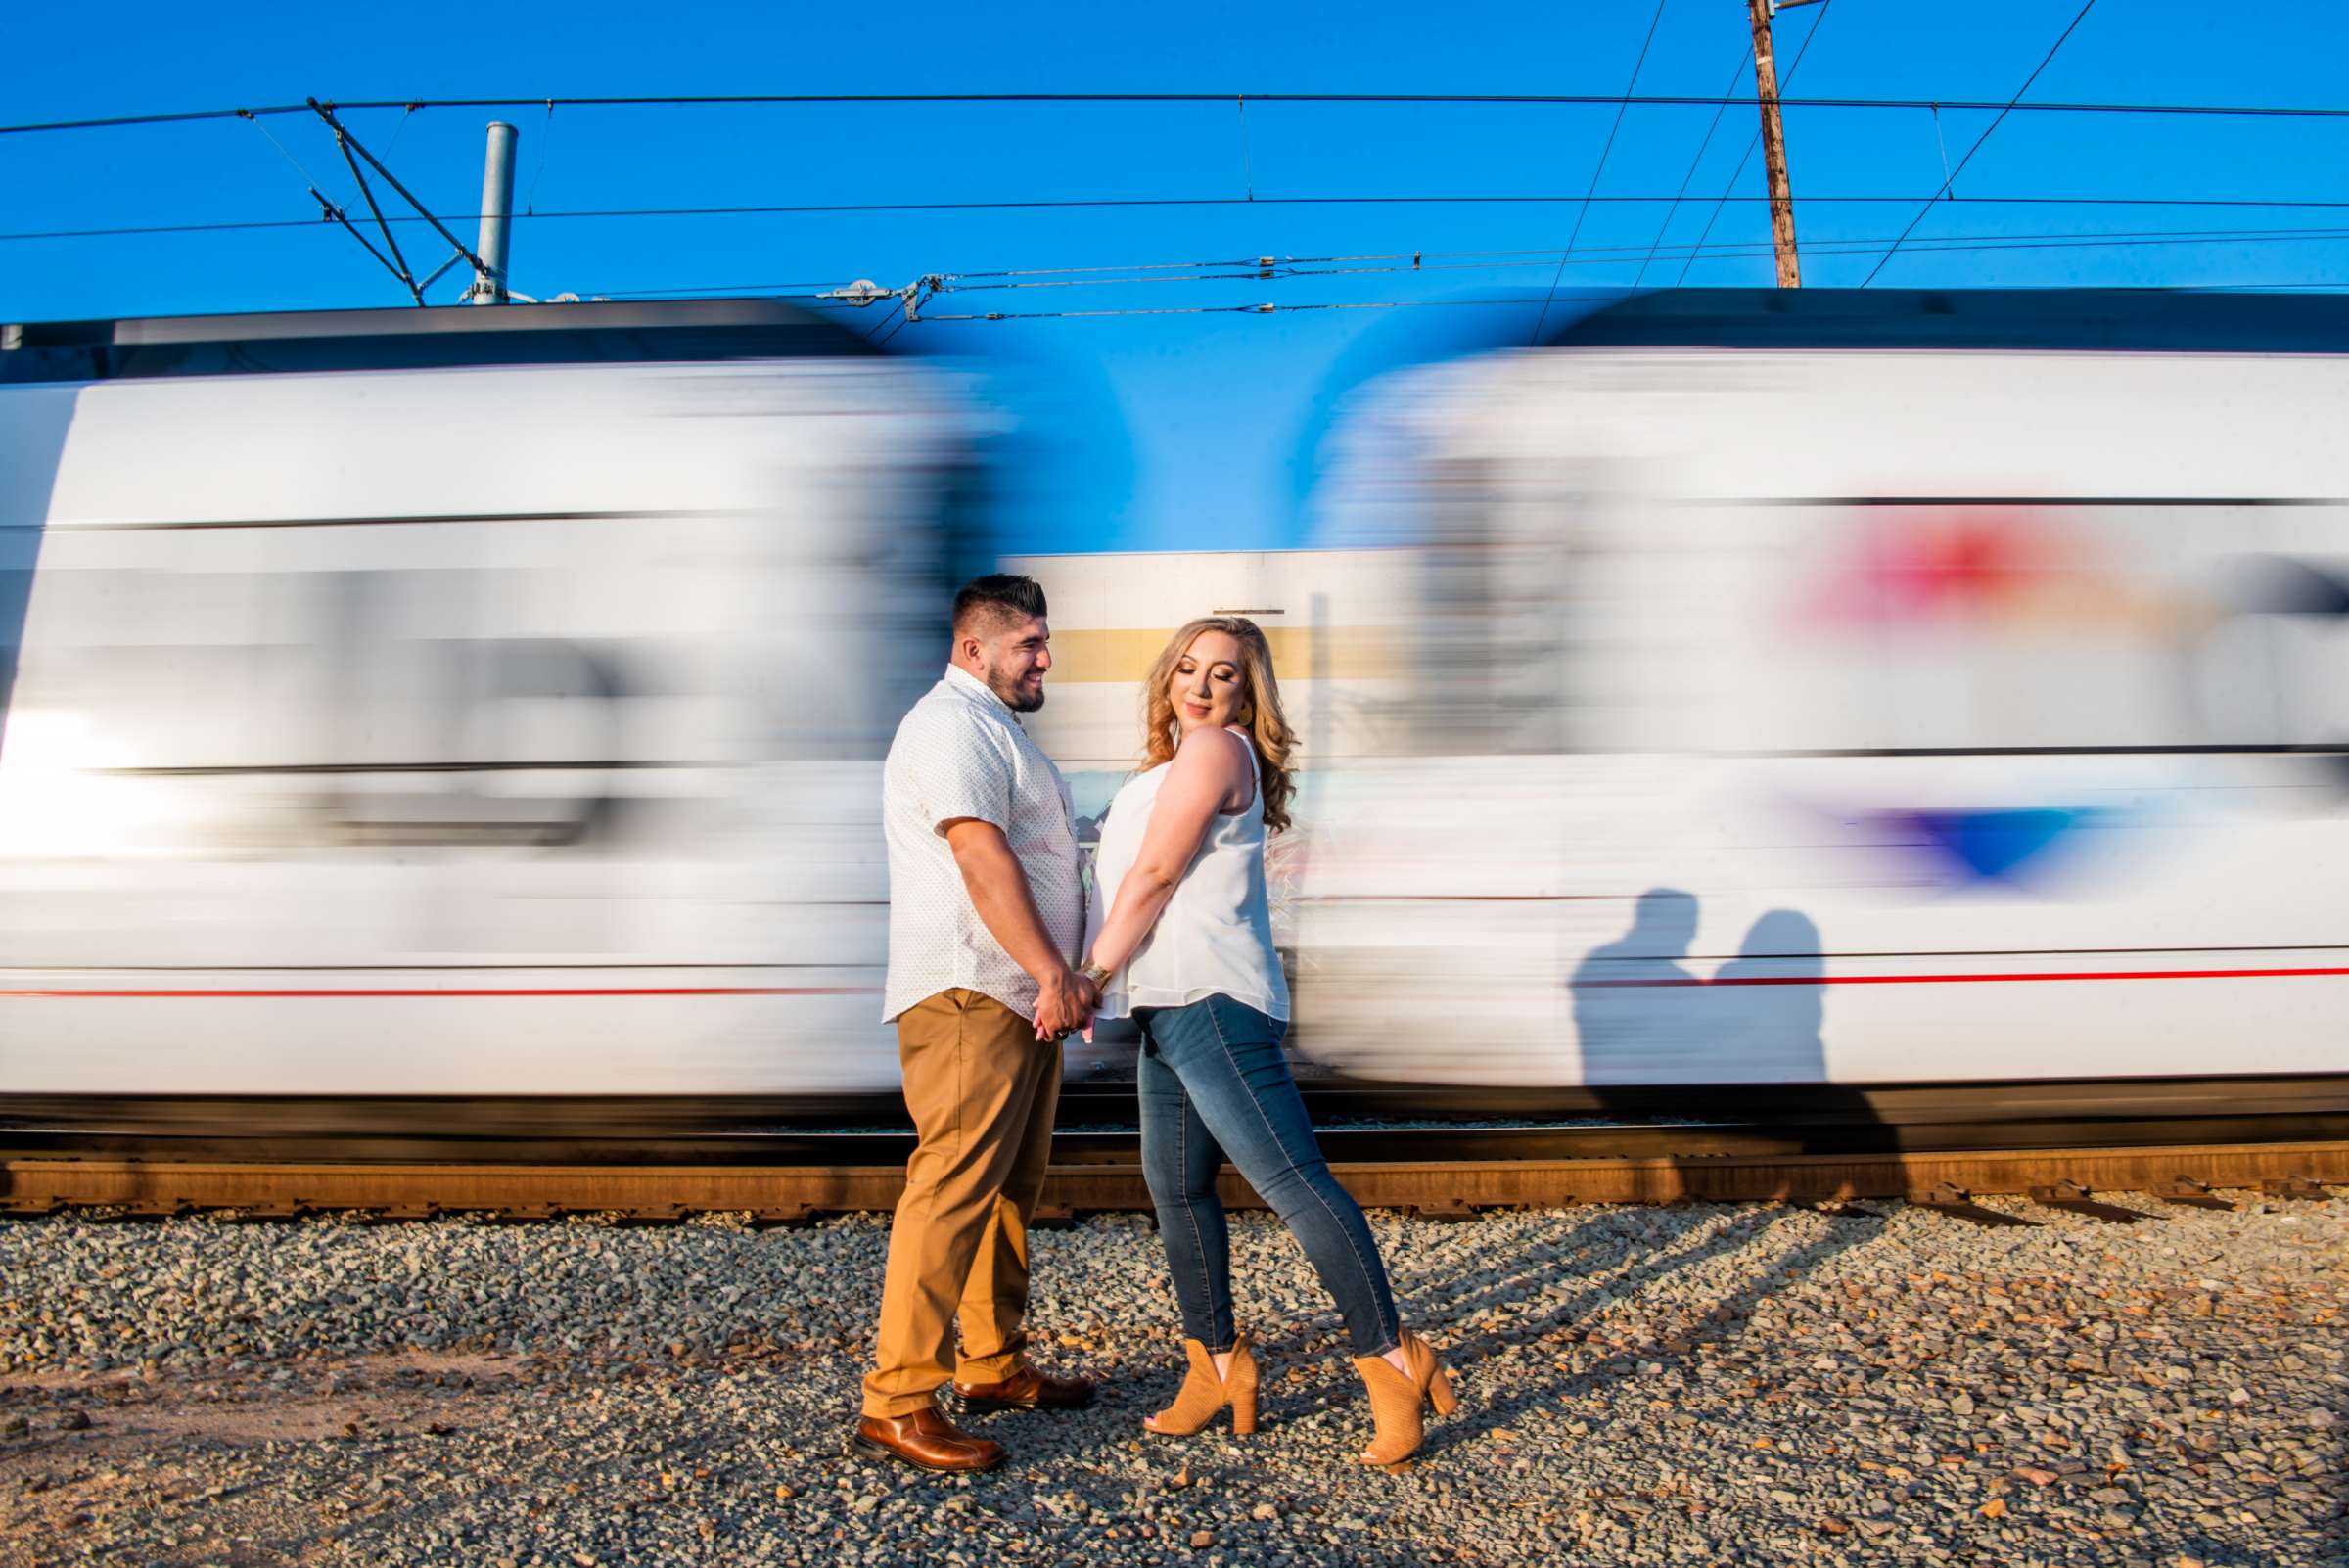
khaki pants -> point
(982, 1088)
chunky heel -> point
(1398, 1401)
(1440, 1394)
(1204, 1392)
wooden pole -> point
(1774, 149)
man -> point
(985, 916)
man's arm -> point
(998, 891)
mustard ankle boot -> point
(1203, 1393)
(1397, 1400)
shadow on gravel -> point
(1728, 1317)
(1499, 1392)
(1646, 1018)
(2333, 1535)
(1449, 1300)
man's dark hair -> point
(985, 603)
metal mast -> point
(497, 216)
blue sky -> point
(1177, 431)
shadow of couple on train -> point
(1749, 1036)
(1628, 1295)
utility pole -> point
(1774, 151)
(498, 215)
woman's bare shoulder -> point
(1211, 745)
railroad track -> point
(798, 1174)
(1434, 1150)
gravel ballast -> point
(1746, 1383)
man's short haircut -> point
(986, 604)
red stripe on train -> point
(875, 991)
(501, 991)
(1959, 980)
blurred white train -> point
(457, 701)
(1742, 689)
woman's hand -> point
(1210, 770)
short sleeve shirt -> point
(961, 753)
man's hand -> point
(1064, 1002)
(999, 894)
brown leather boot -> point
(1203, 1393)
(1397, 1400)
(925, 1439)
(1027, 1390)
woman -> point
(1186, 951)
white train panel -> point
(1669, 715)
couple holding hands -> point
(986, 920)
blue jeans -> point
(1214, 1084)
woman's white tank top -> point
(1215, 933)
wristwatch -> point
(1095, 973)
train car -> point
(1809, 688)
(457, 702)
(458, 716)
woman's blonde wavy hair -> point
(1260, 711)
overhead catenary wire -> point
(1425, 254)
(1448, 198)
(1737, 74)
(883, 340)
(1267, 308)
(1260, 309)
(307, 178)
(1727, 250)
(1243, 269)
(546, 144)
(1600, 168)
(1950, 178)
(399, 130)
(1467, 99)
(896, 304)
(711, 290)
(1427, 261)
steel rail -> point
(670, 1128)
(799, 1147)
(1426, 1148)
(1676, 1165)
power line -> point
(1266, 309)
(896, 304)
(1950, 178)
(1448, 198)
(707, 289)
(1422, 254)
(1736, 74)
(1248, 269)
(307, 178)
(1470, 100)
(1245, 269)
(882, 340)
(1621, 109)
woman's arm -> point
(1208, 773)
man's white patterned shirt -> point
(961, 753)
